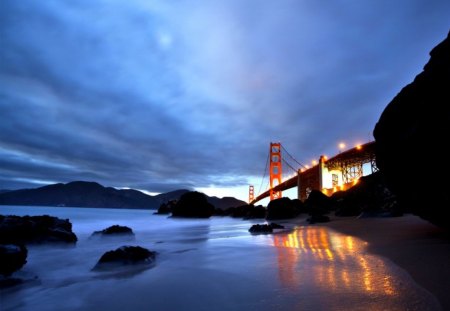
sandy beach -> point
(420, 248)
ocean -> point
(209, 264)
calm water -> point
(210, 264)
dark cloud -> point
(160, 96)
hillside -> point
(92, 194)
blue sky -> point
(163, 95)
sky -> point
(164, 95)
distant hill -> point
(92, 194)
(79, 194)
(225, 202)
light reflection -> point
(330, 260)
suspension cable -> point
(265, 172)
(292, 157)
(290, 166)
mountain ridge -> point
(92, 194)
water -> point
(210, 264)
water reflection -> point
(326, 259)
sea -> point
(208, 264)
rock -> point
(261, 228)
(193, 204)
(125, 256)
(265, 228)
(282, 208)
(370, 196)
(317, 218)
(247, 211)
(35, 229)
(114, 230)
(12, 258)
(410, 136)
(318, 203)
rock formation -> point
(411, 136)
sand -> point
(415, 245)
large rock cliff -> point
(411, 137)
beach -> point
(216, 264)
(417, 246)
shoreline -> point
(415, 245)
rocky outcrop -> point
(410, 138)
(125, 256)
(193, 204)
(114, 230)
(247, 211)
(265, 228)
(283, 208)
(12, 258)
(35, 229)
(370, 196)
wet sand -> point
(415, 245)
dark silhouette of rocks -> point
(265, 228)
(12, 258)
(166, 208)
(79, 194)
(246, 211)
(318, 203)
(193, 204)
(125, 256)
(370, 196)
(114, 230)
(315, 218)
(35, 229)
(283, 208)
(410, 136)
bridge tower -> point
(275, 169)
(251, 194)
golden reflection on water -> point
(332, 260)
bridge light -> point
(325, 157)
(341, 146)
(314, 162)
(307, 166)
(358, 147)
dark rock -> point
(12, 258)
(166, 208)
(261, 228)
(317, 218)
(35, 229)
(370, 196)
(265, 228)
(410, 136)
(247, 211)
(282, 208)
(115, 230)
(193, 204)
(276, 226)
(125, 256)
(318, 203)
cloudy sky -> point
(161, 95)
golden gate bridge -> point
(328, 175)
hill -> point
(92, 194)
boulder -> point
(193, 204)
(125, 256)
(35, 229)
(265, 228)
(282, 208)
(114, 230)
(12, 258)
(410, 137)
